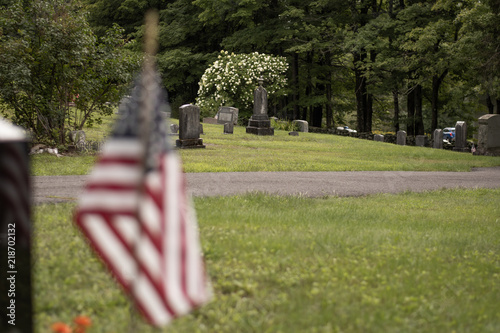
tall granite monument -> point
(259, 123)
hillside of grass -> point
(282, 152)
(413, 262)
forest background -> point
(371, 64)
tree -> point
(232, 79)
(51, 60)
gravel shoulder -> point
(55, 189)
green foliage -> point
(414, 262)
(232, 79)
(50, 60)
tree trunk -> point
(410, 107)
(369, 112)
(489, 104)
(395, 97)
(361, 96)
(419, 120)
(296, 91)
(436, 83)
(328, 93)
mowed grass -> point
(281, 152)
(413, 262)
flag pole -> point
(145, 118)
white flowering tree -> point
(232, 79)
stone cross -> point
(438, 139)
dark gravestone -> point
(227, 109)
(228, 128)
(421, 140)
(401, 138)
(293, 133)
(438, 139)
(489, 135)
(15, 231)
(225, 116)
(189, 127)
(259, 123)
(378, 137)
(461, 137)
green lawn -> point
(414, 262)
(281, 152)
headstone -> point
(461, 137)
(174, 128)
(225, 116)
(438, 139)
(302, 124)
(201, 129)
(15, 231)
(401, 138)
(77, 136)
(293, 133)
(208, 120)
(228, 128)
(378, 137)
(488, 142)
(259, 123)
(227, 109)
(421, 140)
(189, 127)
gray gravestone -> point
(225, 116)
(438, 139)
(378, 137)
(259, 123)
(401, 138)
(293, 133)
(208, 120)
(488, 142)
(228, 109)
(461, 136)
(302, 124)
(228, 128)
(189, 127)
(421, 140)
(174, 128)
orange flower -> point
(60, 328)
(82, 321)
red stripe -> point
(112, 187)
(118, 160)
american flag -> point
(137, 214)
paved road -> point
(53, 189)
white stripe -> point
(197, 289)
(148, 297)
(108, 200)
(116, 173)
(127, 227)
(118, 256)
(150, 214)
(149, 256)
(122, 148)
(172, 242)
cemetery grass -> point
(308, 152)
(412, 262)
